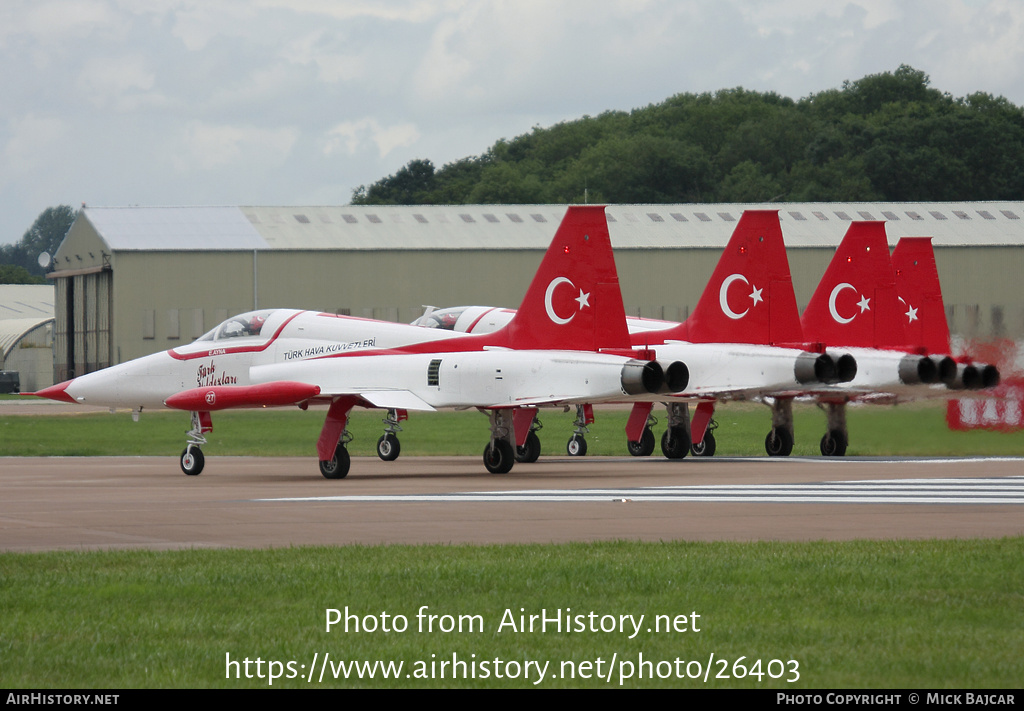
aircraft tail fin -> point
(856, 303)
(750, 297)
(917, 283)
(574, 301)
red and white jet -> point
(902, 350)
(567, 344)
(742, 341)
(925, 325)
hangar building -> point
(135, 280)
(26, 336)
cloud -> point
(392, 11)
(333, 66)
(35, 143)
(271, 92)
(209, 146)
(54, 21)
(117, 81)
(351, 136)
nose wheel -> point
(577, 446)
(388, 447)
(192, 461)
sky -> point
(298, 102)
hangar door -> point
(81, 338)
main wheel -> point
(645, 447)
(706, 448)
(388, 447)
(337, 467)
(530, 451)
(577, 446)
(499, 457)
(779, 442)
(834, 444)
(675, 443)
(192, 461)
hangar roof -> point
(420, 227)
(13, 330)
(23, 308)
(26, 301)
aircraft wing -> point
(393, 399)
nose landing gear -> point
(192, 459)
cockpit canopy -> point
(444, 319)
(249, 324)
(465, 319)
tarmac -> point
(55, 503)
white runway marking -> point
(1005, 490)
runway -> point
(147, 503)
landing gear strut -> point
(676, 441)
(530, 451)
(577, 445)
(192, 459)
(337, 467)
(707, 446)
(500, 452)
(702, 427)
(388, 446)
(779, 442)
(334, 457)
(835, 441)
(644, 446)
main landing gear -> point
(577, 445)
(334, 457)
(707, 446)
(530, 451)
(500, 452)
(702, 427)
(835, 440)
(337, 466)
(676, 441)
(192, 459)
(644, 445)
(779, 442)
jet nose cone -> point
(56, 392)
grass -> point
(921, 614)
(863, 614)
(914, 430)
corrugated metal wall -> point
(82, 337)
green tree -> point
(10, 274)
(45, 235)
(887, 136)
(405, 187)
